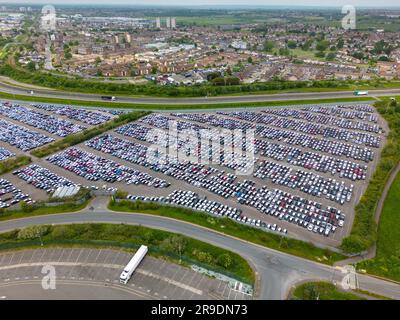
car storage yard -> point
(94, 274)
(312, 164)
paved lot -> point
(293, 230)
(94, 274)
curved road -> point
(50, 93)
(277, 272)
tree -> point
(33, 232)
(307, 45)
(67, 55)
(250, 60)
(178, 244)
(224, 260)
(340, 44)
(284, 52)
(322, 45)
(310, 293)
(269, 46)
(120, 194)
(25, 207)
(31, 66)
(292, 44)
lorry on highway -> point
(360, 93)
(108, 98)
(133, 264)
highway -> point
(277, 272)
(50, 93)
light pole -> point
(40, 238)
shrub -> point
(33, 232)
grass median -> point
(13, 163)
(232, 228)
(322, 291)
(170, 246)
(77, 138)
(30, 211)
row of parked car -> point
(222, 184)
(86, 116)
(191, 172)
(324, 119)
(309, 128)
(305, 181)
(95, 168)
(311, 160)
(345, 112)
(191, 200)
(359, 107)
(332, 147)
(5, 154)
(21, 137)
(196, 145)
(161, 121)
(49, 123)
(10, 195)
(297, 210)
(325, 145)
(215, 120)
(42, 178)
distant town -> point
(176, 50)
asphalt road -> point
(277, 271)
(8, 88)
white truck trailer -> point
(360, 93)
(133, 264)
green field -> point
(387, 260)
(232, 228)
(163, 244)
(322, 291)
(364, 231)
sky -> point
(331, 3)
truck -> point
(360, 93)
(108, 98)
(133, 264)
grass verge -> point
(164, 244)
(364, 232)
(232, 228)
(13, 163)
(77, 138)
(322, 291)
(42, 210)
(387, 261)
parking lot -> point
(311, 166)
(95, 273)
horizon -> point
(312, 4)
